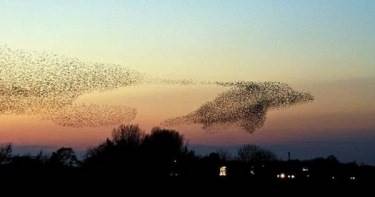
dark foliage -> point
(131, 154)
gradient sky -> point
(325, 47)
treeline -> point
(130, 152)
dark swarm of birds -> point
(47, 85)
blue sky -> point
(260, 40)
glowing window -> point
(223, 171)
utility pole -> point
(288, 156)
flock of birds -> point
(48, 85)
(245, 104)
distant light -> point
(252, 172)
(305, 169)
(223, 171)
(307, 176)
(175, 161)
(281, 176)
(174, 174)
(333, 177)
(353, 178)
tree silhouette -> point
(130, 136)
(5, 154)
(131, 153)
(224, 155)
(254, 154)
(163, 149)
(63, 157)
(166, 144)
(121, 153)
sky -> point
(323, 47)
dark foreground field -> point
(132, 161)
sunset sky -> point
(325, 47)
